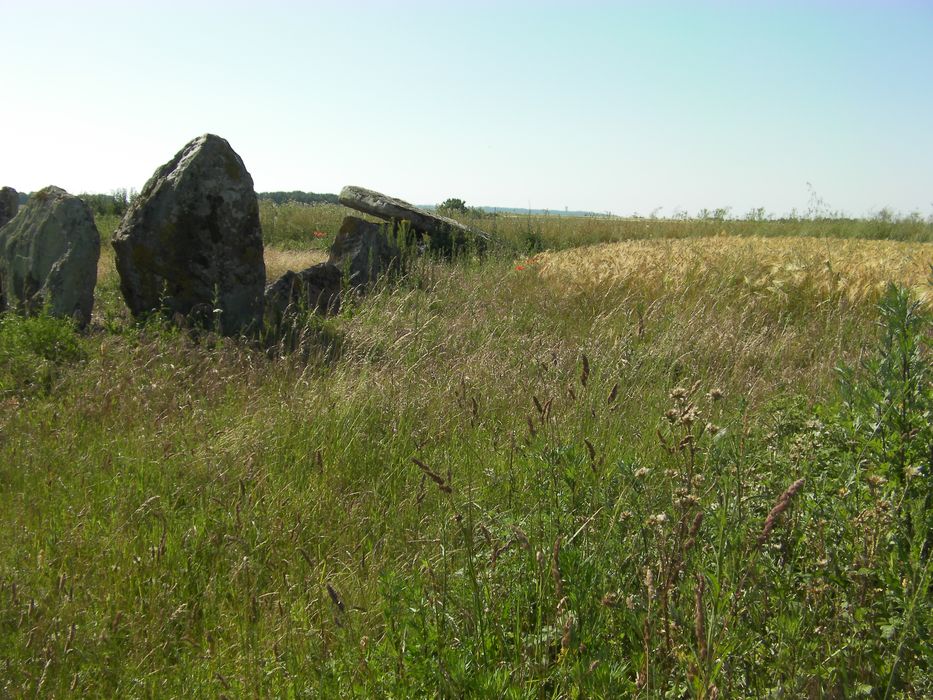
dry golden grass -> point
(857, 270)
(278, 262)
(106, 263)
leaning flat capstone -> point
(9, 204)
(446, 234)
(48, 257)
(363, 251)
(191, 240)
(315, 289)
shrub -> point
(33, 350)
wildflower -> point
(519, 268)
(688, 500)
(657, 520)
(319, 234)
(641, 472)
(690, 415)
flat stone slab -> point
(446, 234)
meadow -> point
(611, 458)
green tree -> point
(453, 205)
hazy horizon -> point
(607, 107)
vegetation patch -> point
(655, 468)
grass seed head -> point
(783, 503)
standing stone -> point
(362, 251)
(9, 204)
(191, 240)
(446, 234)
(315, 289)
(48, 257)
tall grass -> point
(495, 483)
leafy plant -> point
(33, 350)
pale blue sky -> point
(606, 106)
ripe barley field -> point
(654, 465)
(802, 267)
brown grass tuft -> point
(782, 504)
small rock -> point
(48, 257)
(315, 289)
(362, 251)
(446, 234)
(9, 204)
(191, 240)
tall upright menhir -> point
(191, 242)
(48, 257)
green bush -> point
(33, 350)
(869, 520)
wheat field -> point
(853, 269)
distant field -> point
(653, 459)
(291, 225)
(786, 266)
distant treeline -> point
(118, 201)
(115, 203)
(300, 197)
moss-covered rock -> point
(9, 204)
(48, 257)
(445, 235)
(363, 251)
(316, 289)
(191, 240)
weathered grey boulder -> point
(446, 234)
(191, 240)
(9, 204)
(48, 257)
(315, 289)
(363, 251)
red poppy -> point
(319, 234)
(519, 267)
